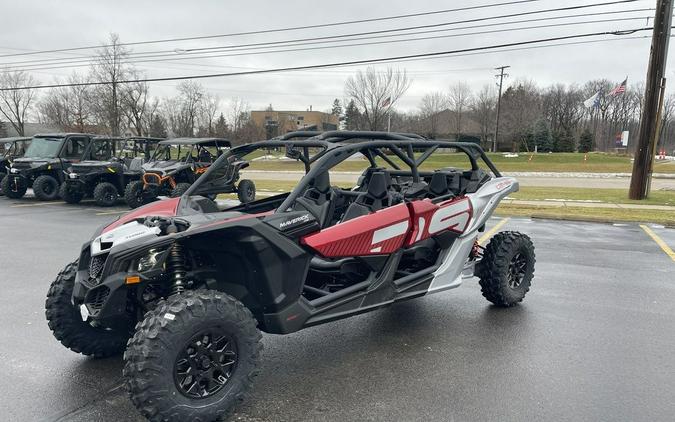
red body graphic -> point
(386, 231)
(164, 208)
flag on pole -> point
(620, 89)
(386, 102)
(594, 101)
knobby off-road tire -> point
(71, 194)
(507, 268)
(133, 194)
(46, 188)
(179, 190)
(67, 326)
(163, 342)
(11, 190)
(105, 194)
(246, 191)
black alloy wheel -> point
(205, 364)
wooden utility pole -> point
(649, 121)
(501, 77)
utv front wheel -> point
(133, 194)
(192, 358)
(46, 188)
(13, 188)
(246, 191)
(105, 194)
(71, 194)
(507, 268)
(66, 323)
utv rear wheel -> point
(13, 188)
(133, 194)
(246, 191)
(179, 190)
(507, 268)
(105, 194)
(71, 194)
(193, 358)
(46, 188)
(66, 323)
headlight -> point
(153, 259)
(73, 175)
(13, 170)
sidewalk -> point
(588, 204)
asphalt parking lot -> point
(594, 339)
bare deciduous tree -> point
(111, 67)
(134, 104)
(376, 93)
(209, 109)
(68, 107)
(459, 99)
(16, 103)
(430, 108)
(484, 110)
(236, 113)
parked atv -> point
(183, 287)
(176, 164)
(10, 148)
(43, 165)
(113, 163)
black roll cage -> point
(337, 146)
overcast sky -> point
(40, 25)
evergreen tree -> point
(352, 116)
(564, 141)
(586, 141)
(157, 127)
(542, 136)
(220, 128)
(337, 108)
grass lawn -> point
(615, 196)
(589, 214)
(558, 162)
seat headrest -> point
(321, 182)
(379, 184)
(438, 184)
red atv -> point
(184, 287)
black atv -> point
(177, 163)
(10, 148)
(112, 164)
(43, 164)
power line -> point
(335, 38)
(337, 64)
(293, 28)
(300, 42)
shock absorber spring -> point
(176, 265)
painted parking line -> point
(659, 241)
(36, 204)
(487, 235)
(111, 212)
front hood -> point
(164, 208)
(26, 164)
(162, 166)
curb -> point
(588, 219)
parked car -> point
(112, 164)
(43, 165)
(176, 164)
(185, 285)
(10, 148)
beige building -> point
(277, 123)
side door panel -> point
(429, 219)
(381, 232)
